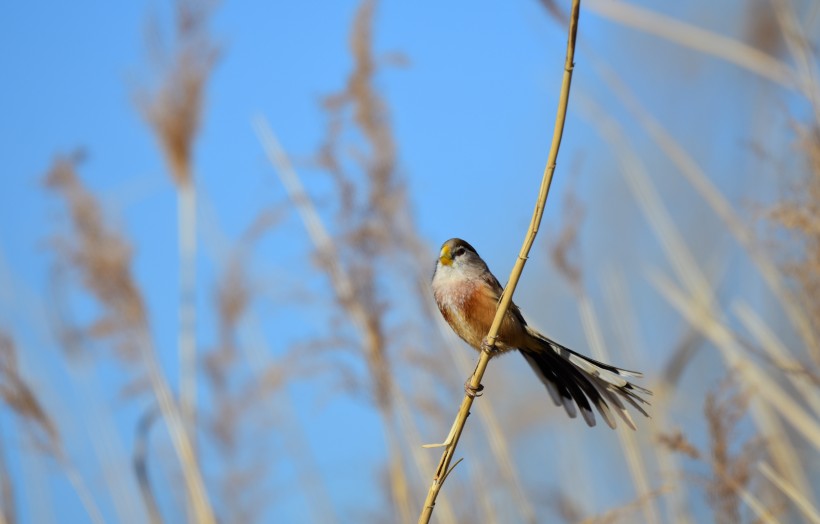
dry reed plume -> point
(662, 260)
(21, 398)
(175, 107)
(102, 259)
(174, 111)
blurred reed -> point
(748, 446)
(174, 112)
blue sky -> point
(472, 113)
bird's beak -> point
(445, 257)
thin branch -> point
(174, 112)
(515, 275)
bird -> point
(467, 294)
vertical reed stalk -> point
(620, 307)
(701, 40)
(697, 177)
(174, 112)
(199, 504)
(343, 285)
(506, 298)
(804, 505)
(187, 339)
(629, 441)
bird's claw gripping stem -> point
(487, 346)
(471, 391)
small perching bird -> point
(467, 295)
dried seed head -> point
(21, 399)
(174, 110)
(101, 256)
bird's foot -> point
(473, 391)
(487, 345)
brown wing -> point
(512, 332)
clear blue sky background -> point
(472, 113)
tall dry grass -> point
(41, 431)
(173, 108)
(734, 434)
(101, 258)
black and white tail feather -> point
(575, 380)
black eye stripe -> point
(459, 251)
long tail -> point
(575, 380)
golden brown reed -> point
(799, 214)
(565, 256)
(370, 234)
(731, 473)
(505, 300)
(676, 441)
(731, 462)
(102, 257)
(239, 397)
(174, 109)
(22, 400)
(370, 207)
(774, 439)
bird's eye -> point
(458, 251)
